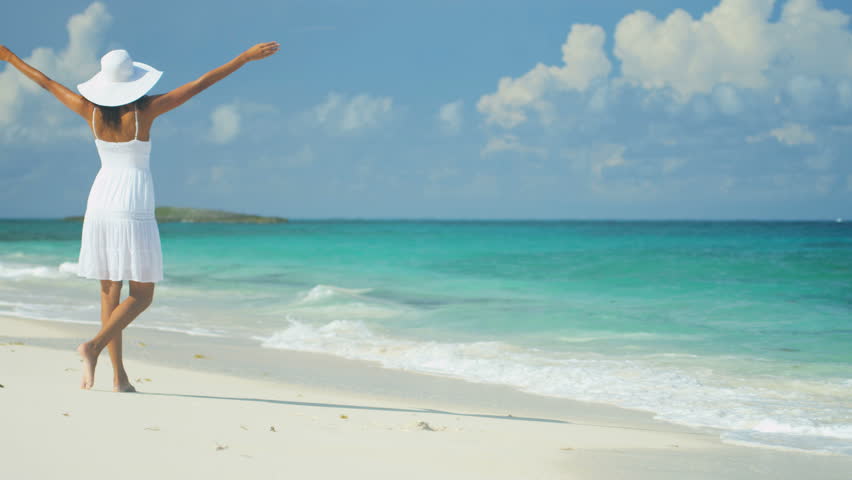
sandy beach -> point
(207, 408)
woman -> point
(120, 239)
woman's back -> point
(122, 124)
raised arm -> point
(161, 104)
(72, 100)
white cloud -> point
(225, 123)
(585, 62)
(736, 44)
(73, 64)
(450, 117)
(793, 134)
(780, 74)
(814, 40)
(342, 114)
(724, 59)
(727, 45)
(509, 143)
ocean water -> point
(740, 326)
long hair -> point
(112, 115)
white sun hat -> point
(120, 81)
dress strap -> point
(93, 122)
(136, 118)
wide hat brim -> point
(101, 91)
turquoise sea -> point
(741, 326)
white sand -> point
(198, 423)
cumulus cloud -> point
(225, 123)
(450, 117)
(584, 62)
(736, 44)
(77, 61)
(681, 91)
(728, 45)
(725, 58)
(811, 39)
(342, 114)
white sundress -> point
(121, 240)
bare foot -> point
(90, 359)
(124, 387)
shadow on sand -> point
(357, 407)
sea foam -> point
(773, 417)
(22, 271)
(321, 293)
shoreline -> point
(243, 358)
(197, 405)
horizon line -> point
(518, 219)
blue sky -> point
(455, 109)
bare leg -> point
(140, 297)
(110, 296)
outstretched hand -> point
(261, 50)
(5, 53)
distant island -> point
(201, 215)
